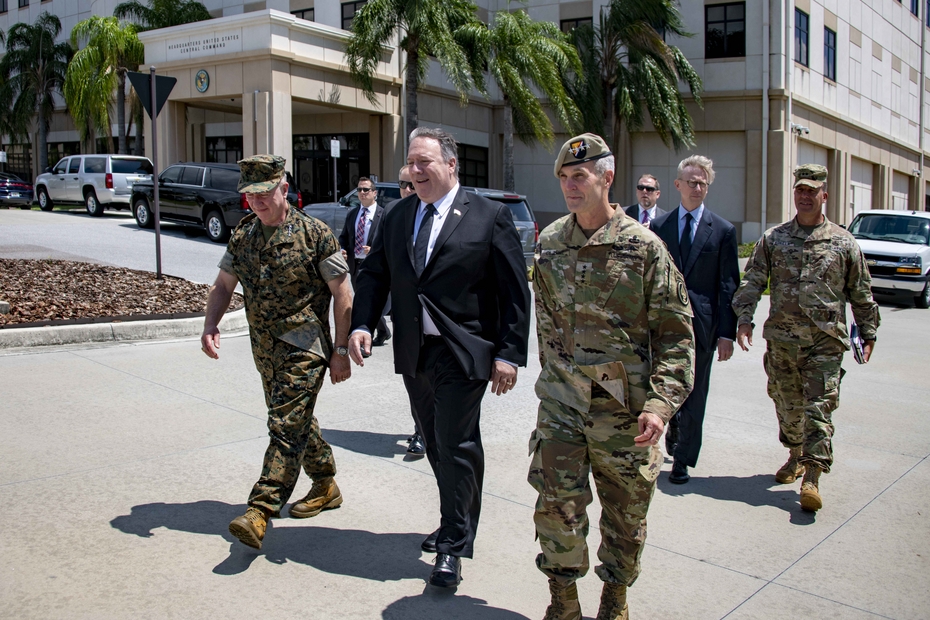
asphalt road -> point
(113, 239)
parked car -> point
(334, 213)
(14, 191)
(96, 181)
(896, 245)
(200, 194)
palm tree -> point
(88, 90)
(427, 28)
(112, 50)
(161, 13)
(520, 54)
(629, 70)
(34, 68)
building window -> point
(927, 13)
(23, 4)
(306, 14)
(725, 33)
(3, 8)
(224, 150)
(801, 37)
(829, 54)
(349, 9)
(914, 4)
(567, 25)
(473, 165)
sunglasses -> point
(365, 190)
(406, 184)
(645, 188)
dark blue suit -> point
(711, 272)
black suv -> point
(202, 194)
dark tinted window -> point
(387, 194)
(829, 54)
(801, 37)
(223, 179)
(519, 209)
(75, 166)
(9, 177)
(192, 176)
(171, 175)
(61, 167)
(725, 30)
(95, 164)
(131, 166)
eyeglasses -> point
(405, 184)
(697, 184)
(645, 188)
(365, 190)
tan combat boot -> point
(810, 493)
(323, 496)
(792, 470)
(613, 603)
(565, 605)
(250, 527)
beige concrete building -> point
(837, 82)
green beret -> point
(260, 173)
(812, 175)
(578, 150)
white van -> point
(96, 181)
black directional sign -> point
(163, 86)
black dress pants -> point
(447, 405)
(690, 417)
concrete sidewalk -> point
(122, 464)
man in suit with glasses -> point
(647, 192)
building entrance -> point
(314, 165)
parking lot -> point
(121, 466)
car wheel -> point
(144, 216)
(923, 300)
(216, 227)
(93, 205)
(45, 203)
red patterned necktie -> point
(360, 232)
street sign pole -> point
(334, 151)
(155, 177)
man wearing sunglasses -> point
(704, 247)
(647, 192)
(356, 239)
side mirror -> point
(344, 201)
(49, 169)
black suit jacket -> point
(474, 285)
(347, 236)
(633, 212)
(711, 273)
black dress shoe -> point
(671, 437)
(416, 447)
(429, 545)
(380, 339)
(447, 573)
(679, 473)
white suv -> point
(896, 245)
(96, 181)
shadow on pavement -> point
(355, 553)
(365, 442)
(757, 490)
(442, 603)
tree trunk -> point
(137, 147)
(42, 139)
(121, 111)
(411, 121)
(508, 146)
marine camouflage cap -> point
(812, 175)
(578, 150)
(260, 173)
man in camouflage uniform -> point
(812, 267)
(617, 354)
(290, 266)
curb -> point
(116, 332)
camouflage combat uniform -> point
(811, 277)
(615, 340)
(287, 305)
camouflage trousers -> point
(804, 382)
(292, 379)
(566, 446)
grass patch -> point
(745, 249)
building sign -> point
(202, 81)
(199, 45)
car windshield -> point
(6, 176)
(131, 166)
(899, 228)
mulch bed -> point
(57, 291)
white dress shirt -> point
(695, 220)
(651, 211)
(369, 214)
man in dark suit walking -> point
(704, 247)
(356, 238)
(453, 265)
(647, 192)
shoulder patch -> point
(682, 292)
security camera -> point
(805, 130)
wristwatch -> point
(343, 351)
